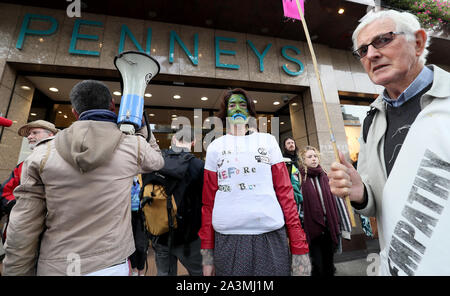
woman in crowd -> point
(248, 201)
(321, 217)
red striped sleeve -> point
(13, 181)
(210, 187)
(285, 194)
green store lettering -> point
(190, 47)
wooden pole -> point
(322, 96)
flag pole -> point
(322, 96)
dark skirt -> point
(265, 254)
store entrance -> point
(167, 104)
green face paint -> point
(237, 109)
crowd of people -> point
(250, 208)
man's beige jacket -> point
(73, 210)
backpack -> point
(368, 122)
(158, 202)
(156, 205)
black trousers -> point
(139, 257)
(321, 252)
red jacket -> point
(6, 190)
(6, 193)
(285, 195)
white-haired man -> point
(403, 175)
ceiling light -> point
(176, 97)
(151, 114)
(255, 101)
(282, 122)
(65, 116)
(53, 89)
(148, 95)
(25, 87)
(195, 116)
(33, 114)
(117, 93)
(204, 99)
(294, 104)
(174, 115)
(207, 120)
(341, 10)
(41, 39)
(59, 112)
(276, 103)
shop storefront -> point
(44, 53)
(44, 49)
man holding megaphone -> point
(75, 194)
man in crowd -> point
(72, 214)
(403, 175)
(185, 244)
(35, 132)
(290, 157)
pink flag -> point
(291, 10)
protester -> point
(404, 161)
(290, 154)
(188, 193)
(322, 223)
(138, 259)
(35, 132)
(248, 201)
(72, 214)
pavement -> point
(356, 267)
(356, 263)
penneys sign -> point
(289, 52)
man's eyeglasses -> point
(379, 42)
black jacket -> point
(188, 197)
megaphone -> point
(136, 70)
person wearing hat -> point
(35, 132)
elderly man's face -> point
(393, 65)
(37, 134)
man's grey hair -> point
(404, 22)
(90, 94)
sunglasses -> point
(379, 42)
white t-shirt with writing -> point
(245, 202)
(415, 206)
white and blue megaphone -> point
(136, 70)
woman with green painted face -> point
(250, 223)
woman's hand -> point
(209, 270)
(301, 265)
(208, 262)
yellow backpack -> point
(156, 207)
